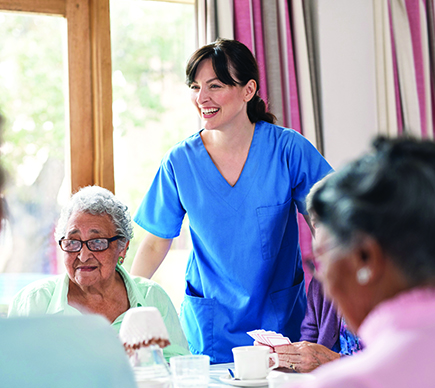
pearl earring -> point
(363, 275)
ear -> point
(370, 261)
(250, 89)
(124, 250)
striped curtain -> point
(405, 66)
(281, 35)
(275, 31)
(214, 19)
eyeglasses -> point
(94, 245)
(312, 262)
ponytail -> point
(257, 111)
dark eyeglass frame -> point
(109, 240)
(311, 264)
(312, 261)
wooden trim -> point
(90, 94)
(90, 85)
(80, 94)
(48, 7)
(102, 94)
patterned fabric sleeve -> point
(349, 343)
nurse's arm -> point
(151, 253)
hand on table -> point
(304, 356)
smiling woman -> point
(241, 180)
(94, 231)
(92, 272)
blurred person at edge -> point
(375, 257)
(241, 180)
(94, 232)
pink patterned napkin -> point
(269, 338)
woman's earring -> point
(363, 275)
(120, 260)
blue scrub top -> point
(245, 269)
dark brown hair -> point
(230, 55)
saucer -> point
(227, 379)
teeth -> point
(209, 111)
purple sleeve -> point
(321, 323)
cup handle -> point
(273, 356)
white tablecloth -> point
(219, 370)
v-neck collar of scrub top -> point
(235, 195)
(59, 301)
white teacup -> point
(252, 362)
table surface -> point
(218, 370)
(276, 377)
(221, 370)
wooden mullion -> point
(80, 94)
(102, 94)
(90, 85)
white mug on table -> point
(252, 362)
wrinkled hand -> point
(304, 356)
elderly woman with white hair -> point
(94, 231)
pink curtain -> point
(405, 34)
(266, 27)
(254, 22)
(413, 10)
(281, 34)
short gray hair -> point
(97, 201)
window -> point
(151, 42)
(87, 133)
(33, 81)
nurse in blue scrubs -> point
(241, 180)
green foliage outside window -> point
(32, 75)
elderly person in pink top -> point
(375, 256)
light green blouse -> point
(49, 296)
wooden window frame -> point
(90, 85)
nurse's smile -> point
(209, 113)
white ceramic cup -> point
(190, 371)
(252, 362)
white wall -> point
(347, 77)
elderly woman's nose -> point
(84, 253)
